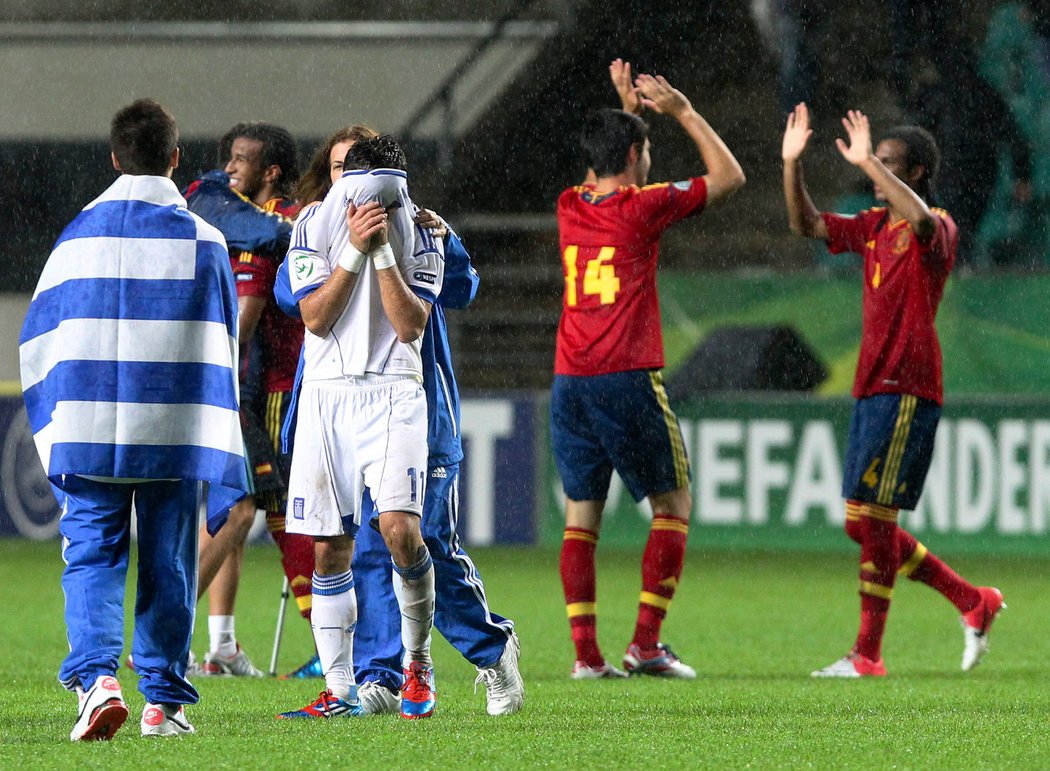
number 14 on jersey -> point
(599, 277)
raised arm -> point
(724, 175)
(904, 201)
(803, 217)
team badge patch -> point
(426, 278)
(298, 506)
(303, 265)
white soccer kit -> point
(362, 420)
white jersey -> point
(362, 341)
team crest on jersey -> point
(426, 278)
(439, 473)
(684, 184)
(903, 241)
(303, 265)
(298, 507)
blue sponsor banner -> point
(497, 478)
(27, 505)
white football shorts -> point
(354, 437)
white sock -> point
(221, 637)
(414, 589)
(332, 619)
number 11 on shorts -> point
(418, 486)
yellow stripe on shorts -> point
(674, 433)
(899, 442)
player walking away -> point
(362, 418)
(909, 250)
(608, 405)
(130, 385)
(262, 169)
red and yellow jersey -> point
(903, 284)
(279, 337)
(610, 320)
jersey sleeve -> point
(424, 271)
(660, 206)
(308, 266)
(846, 233)
(254, 274)
(460, 283)
(940, 249)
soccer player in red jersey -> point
(909, 250)
(262, 163)
(608, 404)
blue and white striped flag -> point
(129, 349)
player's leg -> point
(377, 639)
(324, 481)
(889, 449)
(394, 464)
(585, 471)
(225, 656)
(297, 561)
(166, 601)
(95, 528)
(297, 551)
(978, 605)
(461, 609)
(662, 563)
(644, 441)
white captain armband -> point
(383, 257)
(352, 260)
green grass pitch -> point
(753, 624)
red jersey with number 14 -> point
(903, 283)
(610, 320)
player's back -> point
(609, 247)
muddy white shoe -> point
(581, 671)
(165, 720)
(504, 688)
(102, 711)
(238, 665)
(377, 699)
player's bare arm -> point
(724, 174)
(904, 202)
(249, 311)
(323, 307)
(803, 217)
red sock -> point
(577, 580)
(661, 570)
(297, 558)
(919, 564)
(878, 571)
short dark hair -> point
(920, 149)
(143, 136)
(381, 152)
(606, 138)
(278, 149)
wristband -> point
(383, 257)
(352, 260)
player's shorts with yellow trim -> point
(890, 447)
(261, 421)
(621, 421)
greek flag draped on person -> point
(129, 348)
